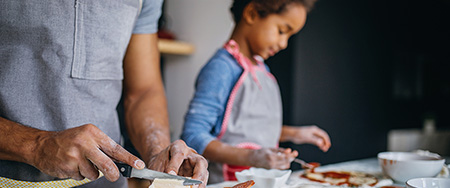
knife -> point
(130, 172)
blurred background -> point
(373, 74)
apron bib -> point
(72, 52)
(253, 115)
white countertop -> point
(369, 165)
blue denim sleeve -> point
(203, 120)
(147, 21)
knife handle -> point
(124, 169)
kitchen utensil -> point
(130, 172)
(428, 183)
(264, 178)
(402, 166)
(303, 163)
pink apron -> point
(253, 115)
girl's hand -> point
(309, 135)
(272, 158)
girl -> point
(235, 117)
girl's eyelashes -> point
(284, 30)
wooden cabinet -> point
(167, 46)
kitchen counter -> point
(369, 165)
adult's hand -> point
(79, 153)
(269, 158)
(179, 159)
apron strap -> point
(11, 183)
(233, 48)
(140, 6)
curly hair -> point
(266, 7)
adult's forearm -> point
(147, 123)
(145, 102)
(18, 142)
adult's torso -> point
(61, 66)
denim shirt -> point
(203, 120)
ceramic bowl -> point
(402, 166)
(428, 183)
(264, 178)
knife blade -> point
(130, 172)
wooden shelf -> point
(167, 46)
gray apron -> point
(253, 115)
(61, 66)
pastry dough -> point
(168, 183)
(349, 178)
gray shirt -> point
(61, 64)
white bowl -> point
(402, 166)
(428, 183)
(264, 178)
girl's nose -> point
(283, 43)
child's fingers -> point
(290, 153)
(294, 153)
(323, 139)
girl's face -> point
(270, 34)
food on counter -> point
(349, 178)
(337, 178)
(165, 183)
(313, 164)
(246, 184)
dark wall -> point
(361, 68)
